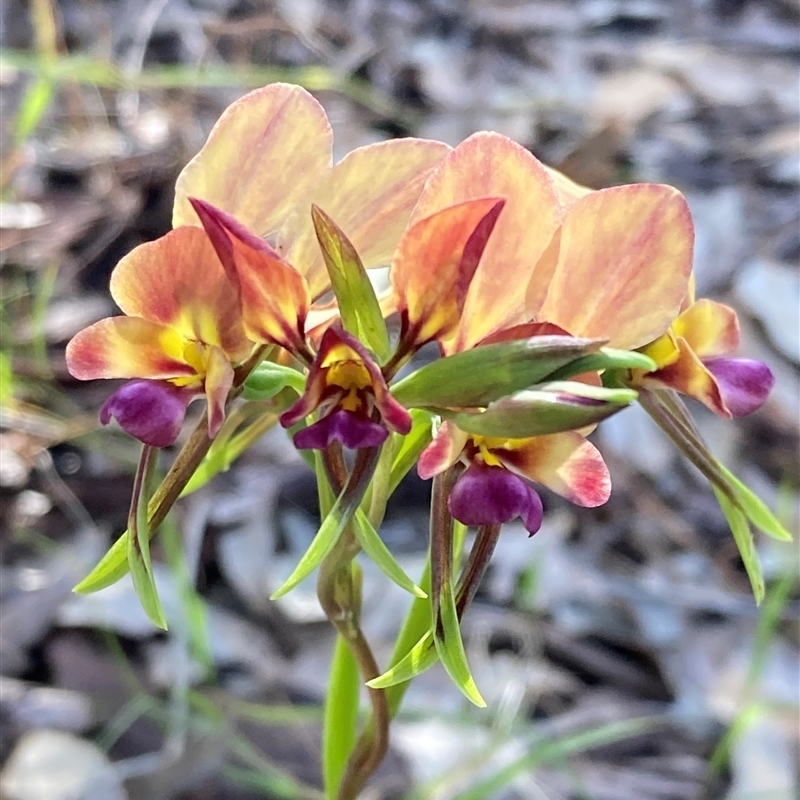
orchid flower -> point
(550, 239)
(691, 359)
(181, 337)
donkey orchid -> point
(551, 237)
(691, 359)
(269, 157)
(180, 339)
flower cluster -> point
(552, 307)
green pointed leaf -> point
(549, 408)
(112, 567)
(755, 509)
(268, 379)
(476, 377)
(450, 647)
(139, 542)
(372, 544)
(744, 541)
(422, 656)
(358, 305)
(324, 541)
(607, 359)
(408, 447)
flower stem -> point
(339, 593)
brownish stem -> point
(194, 451)
(340, 599)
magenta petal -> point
(486, 495)
(352, 430)
(744, 383)
(150, 411)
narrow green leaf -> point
(422, 656)
(479, 376)
(269, 378)
(334, 523)
(408, 448)
(545, 409)
(340, 726)
(607, 359)
(450, 647)
(358, 305)
(34, 103)
(744, 541)
(112, 567)
(755, 509)
(139, 543)
(324, 541)
(372, 544)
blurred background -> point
(620, 650)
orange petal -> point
(274, 295)
(178, 280)
(219, 379)
(435, 263)
(370, 194)
(688, 375)
(709, 328)
(623, 266)
(265, 153)
(563, 462)
(491, 165)
(127, 347)
(443, 451)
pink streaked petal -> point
(445, 449)
(688, 375)
(266, 152)
(127, 347)
(178, 280)
(491, 165)
(709, 328)
(370, 194)
(435, 263)
(274, 295)
(565, 463)
(524, 331)
(744, 383)
(219, 379)
(624, 263)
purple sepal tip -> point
(354, 431)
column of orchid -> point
(552, 306)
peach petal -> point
(274, 296)
(434, 265)
(219, 379)
(178, 280)
(265, 153)
(445, 449)
(566, 189)
(624, 263)
(565, 463)
(370, 194)
(691, 377)
(709, 328)
(127, 347)
(491, 165)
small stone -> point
(51, 765)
